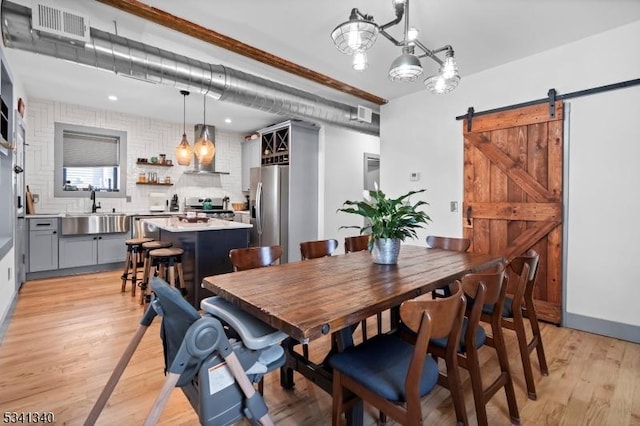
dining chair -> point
(447, 243)
(357, 243)
(354, 244)
(254, 257)
(247, 258)
(393, 374)
(480, 289)
(316, 249)
(518, 307)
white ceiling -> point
(484, 34)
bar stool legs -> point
(132, 259)
(170, 262)
(148, 264)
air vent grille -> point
(60, 22)
(364, 114)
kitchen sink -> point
(94, 223)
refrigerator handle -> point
(259, 208)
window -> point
(89, 158)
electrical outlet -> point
(454, 206)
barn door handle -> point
(469, 215)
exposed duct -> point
(137, 60)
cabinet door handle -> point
(99, 238)
(54, 232)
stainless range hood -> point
(202, 169)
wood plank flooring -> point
(67, 334)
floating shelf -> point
(154, 183)
(153, 164)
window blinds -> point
(87, 150)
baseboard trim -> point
(4, 324)
(618, 330)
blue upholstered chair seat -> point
(481, 336)
(507, 309)
(381, 363)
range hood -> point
(202, 169)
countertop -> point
(173, 225)
(132, 213)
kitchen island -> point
(206, 249)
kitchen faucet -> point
(92, 196)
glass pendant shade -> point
(405, 67)
(354, 35)
(440, 85)
(360, 61)
(447, 79)
(204, 148)
(184, 153)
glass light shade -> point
(184, 153)
(412, 34)
(439, 85)
(354, 35)
(360, 61)
(204, 148)
(405, 67)
(449, 68)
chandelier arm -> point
(428, 53)
(390, 37)
(399, 14)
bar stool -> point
(147, 265)
(169, 260)
(134, 250)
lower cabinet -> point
(85, 250)
(43, 250)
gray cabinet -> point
(111, 248)
(43, 244)
(78, 250)
(250, 158)
(85, 250)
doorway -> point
(371, 171)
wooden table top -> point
(314, 297)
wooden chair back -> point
(532, 259)
(254, 257)
(449, 243)
(448, 311)
(359, 243)
(315, 249)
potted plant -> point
(389, 221)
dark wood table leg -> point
(286, 371)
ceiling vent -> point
(60, 22)
(364, 114)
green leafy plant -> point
(388, 217)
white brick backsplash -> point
(146, 137)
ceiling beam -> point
(192, 29)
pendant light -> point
(184, 153)
(204, 148)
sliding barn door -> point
(513, 192)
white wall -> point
(342, 163)
(146, 137)
(603, 207)
(419, 133)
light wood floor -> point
(67, 334)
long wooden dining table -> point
(332, 295)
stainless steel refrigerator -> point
(284, 210)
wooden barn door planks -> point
(513, 192)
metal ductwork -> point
(137, 60)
